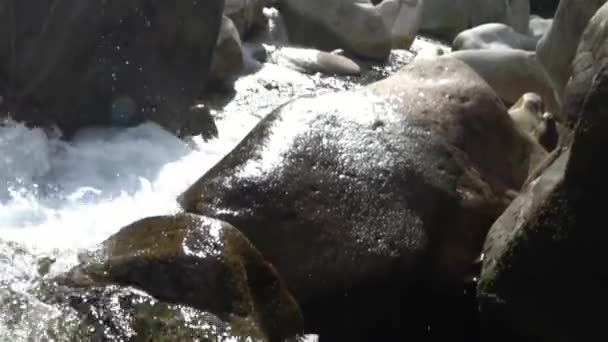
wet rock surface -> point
(195, 261)
(227, 61)
(348, 193)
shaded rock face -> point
(558, 47)
(447, 18)
(79, 63)
(247, 15)
(544, 277)
(591, 56)
(347, 193)
(544, 8)
(227, 61)
(353, 25)
(195, 261)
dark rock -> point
(544, 8)
(247, 15)
(544, 277)
(354, 196)
(313, 61)
(591, 56)
(80, 63)
(227, 62)
(195, 261)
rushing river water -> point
(59, 197)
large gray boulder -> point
(556, 50)
(354, 196)
(446, 18)
(353, 25)
(590, 58)
(79, 63)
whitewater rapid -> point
(66, 196)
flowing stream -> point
(58, 197)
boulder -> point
(247, 15)
(355, 195)
(79, 63)
(544, 276)
(511, 73)
(539, 26)
(195, 261)
(493, 36)
(115, 313)
(446, 18)
(353, 25)
(590, 58)
(227, 62)
(313, 61)
(402, 19)
(530, 117)
(557, 48)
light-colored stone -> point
(493, 36)
(539, 26)
(353, 25)
(511, 73)
(313, 61)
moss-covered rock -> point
(194, 261)
(247, 15)
(121, 314)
